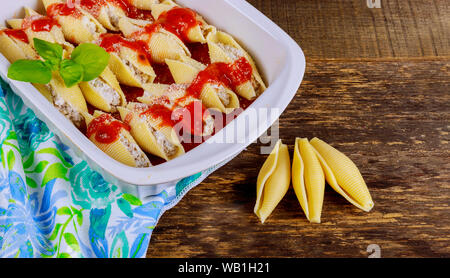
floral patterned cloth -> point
(53, 205)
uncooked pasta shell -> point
(273, 181)
(308, 180)
(343, 175)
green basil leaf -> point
(93, 58)
(71, 72)
(51, 52)
(34, 71)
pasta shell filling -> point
(235, 54)
(140, 158)
(90, 25)
(141, 76)
(222, 93)
(175, 97)
(65, 108)
(114, 18)
(111, 96)
(168, 147)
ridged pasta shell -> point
(185, 69)
(118, 150)
(144, 4)
(162, 44)
(164, 6)
(109, 16)
(72, 95)
(77, 30)
(15, 23)
(273, 181)
(308, 180)
(195, 34)
(343, 175)
(14, 49)
(211, 98)
(69, 101)
(165, 45)
(223, 48)
(94, 97)
(129, 74)
(55, 35)
(144, 131)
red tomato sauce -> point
(228, 75)
(106, 129)
(63, 9)
(91, 6)
(163, 75)
(131, 11)
(40, 24)
(161, 112)
(199, 52)
(111, 43)
(177, 21)
(16, 34)
(132, 93)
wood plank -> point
(391, 117)
(349, 29)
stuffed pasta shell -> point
(105, 12)
(69, 101)
(209, 84)
(144, 4)
(109, 12)
(161, 43)
(15, 45)
(41, 27)
(176, 98)
(113, 137)
(78, 26)
(224, 49)
(183, 22)
(129, 60)
(152, 127)
(104, 92)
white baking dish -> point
(279, 58)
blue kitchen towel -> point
(53, 205)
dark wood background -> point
(377, 87)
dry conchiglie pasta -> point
(273, 181)
(343, 175)
(308, 180)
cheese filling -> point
(65, 108)
(111, 96)
(140, 158)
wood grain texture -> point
(377, 88)
(349, 29)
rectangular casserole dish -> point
(280, 60)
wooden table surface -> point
(377, 87)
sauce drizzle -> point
(111, 42)
(177, 21)
(106, 129)
(228, 75)
(39, 23)
(17, 34)
(131, 11)
(63, 9)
